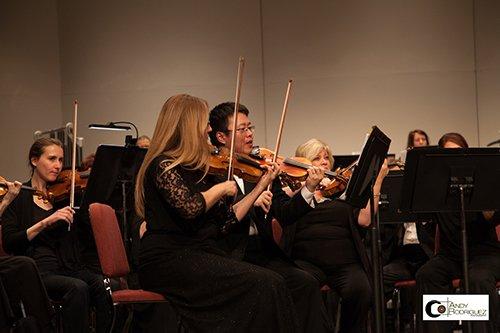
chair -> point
(396, 301)
(114, 263)
(396, 293)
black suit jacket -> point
(392, 237)
(285, 209)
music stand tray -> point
(390, 200)
(432, 177)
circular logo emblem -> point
(441, 309)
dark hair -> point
(219, 119)
(411, 136)
(38, 147)
(455, 138)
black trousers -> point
(407, 260)
(21, 281)
(435, 278)
(78, 290)
(353, 285)
(304, 287)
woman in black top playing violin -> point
(327, 242)
(32, 227)
(185, 210)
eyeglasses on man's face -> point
(242, 130)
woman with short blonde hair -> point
(333, 227)
(312, 149)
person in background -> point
(143, 141)
(406, 247)
(435, 277)
(417, 138)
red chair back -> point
(277, 231)
(108, 239)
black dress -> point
(328, 244)
(180, 259)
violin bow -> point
(73, 160)
(239, 79)
(282, 122)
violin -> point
(245, 168)
(4, 189)
(293, 169)
(60, 189)
(339, 182)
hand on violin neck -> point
(272, 171)
(13, 189)
(314, 177)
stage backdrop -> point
(399, 65)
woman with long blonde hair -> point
(185, 212)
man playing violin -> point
(253, 241)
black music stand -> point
(359, 191)
(450, 180)
(112, 182)
(390, 200)
(342, 161)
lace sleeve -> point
(188, 204)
